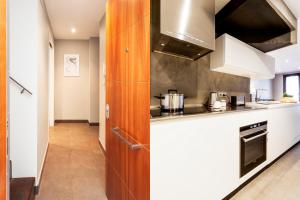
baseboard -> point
(101, 147)
(77, 121)
(94, 123)
(37, 186)
(258, 173)
(71, 121)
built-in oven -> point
(253, 146)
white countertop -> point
(276, 104)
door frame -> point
(51, 81)
(3, 103)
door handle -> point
(131, 144)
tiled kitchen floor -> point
(75, 170)
(75, 166)
(280, 182)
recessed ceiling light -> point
(73, 30)
(287, 61)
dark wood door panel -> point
(116, 40)
(117, 13)
(119, 69)
(117, 156)
(116, 189)
(139, 51)
(139, 112)
(139, 174)
(137, 9)
(128, 95)
(118, 105)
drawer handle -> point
(131, 144)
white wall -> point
(102, 86)
(28, 64)
(278, 86)
(43, 88)
(266, 85)
(23, 67)
(94, 79)
(72, 93)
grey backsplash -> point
(193, 78)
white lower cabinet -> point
(284, 128)
(198, 158)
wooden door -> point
(139, 98)
(116, 97)
(3, 81)
(128, 96)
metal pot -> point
(172, 101)
(213, 97)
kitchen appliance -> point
(183, 28)
(246, 62)
(156, 112)
(213, 97)
(253, 146)
(238, 100)
(266, 25)
(172, 102)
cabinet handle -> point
(126, 50)
(131, 144)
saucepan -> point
(171, 101)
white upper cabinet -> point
(233, 56)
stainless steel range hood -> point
(264, 24)
(183, 28)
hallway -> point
(75, 165)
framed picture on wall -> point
(71, 65)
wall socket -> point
(222, 94)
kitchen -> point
(214, 121)
(222, 109)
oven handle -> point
(255, 137)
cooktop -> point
(157, 113)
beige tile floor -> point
(75, 170)
(75, 166)
(280, 182)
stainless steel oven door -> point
(253, 151)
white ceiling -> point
(288, 58)
(84, 15)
